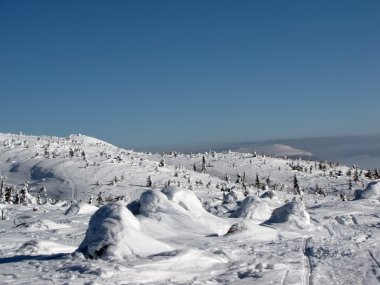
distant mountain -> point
(360, 150)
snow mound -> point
(346, 220)
(185, 198)
(153, 202)
(238, 227)
(81, 209)
(268, 194)
(114, 232)
(179, 209)
(372, 191)
(230, 197)
(252, 208)
(190, 202)
(44, 247)
(292, 214)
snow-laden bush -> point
(230, 197)
(184, 198)
(252, 208)
(114, 232)
(292, 214)
(268, 194)
(236, 228)
(372, 191)
(152, 202)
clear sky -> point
(147, 73)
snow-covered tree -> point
(257, 182)
(203, 170)
(149, 182)
(296, 187)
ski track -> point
(373, 258)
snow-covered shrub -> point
(252, 208)
(268, 194)
(372, 191)
(114, 232)
(230, 197)
(292, 214)
(238, 227)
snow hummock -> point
(114, 232)
(81, 209)
(252, 208)
(179, 208)
(292, 214)
(372, 191)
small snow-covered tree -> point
(149, 182)
(8, 194)
(99, 199)
(257, 182)
(24, 194)
(296, 187)
(203, 170)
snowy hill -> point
(172, 222)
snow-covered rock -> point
(292, 214)
(372, 191)
(114, 232)
(252, 208)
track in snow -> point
(373, 258)
(307, 275)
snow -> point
(114, 232)
(189, 232)
(81, 209)
(372, 191)
(292, 214)
(252, 208)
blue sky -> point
(147, 73)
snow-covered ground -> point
(191, 226)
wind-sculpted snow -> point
(292, 214)
(80, 209)
(201, 229)
(179, 208)
(372, 191)
(252, 208)
(114, 232)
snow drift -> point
(292, 214)
(114, 232)
(179, 209)
(372, 191)
(80, 209)
(252, 208)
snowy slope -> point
(178, 234)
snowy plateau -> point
(78, 210)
